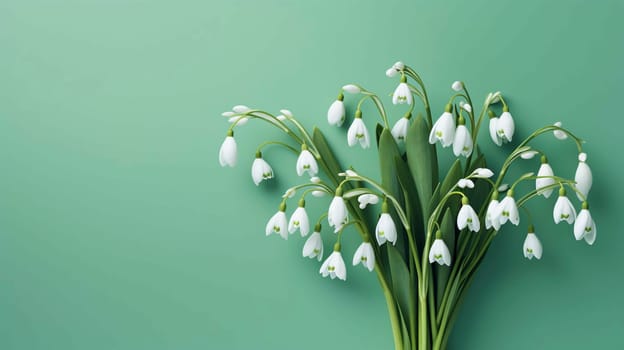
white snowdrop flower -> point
(465, 183)
(505, 126)
(299, 220)
(315, 180)
(391, 72)
(564, 210)
(334, 266)
(528, 154)
(239, 120)
(583, 177)
(386, 229)
(398, 65)
(350, 172)
(228, 114)
(365, 255)
(399, 130)
(532, 247)
(281, 117)
(494, 128)
(558, 133)
(337, 214)
(544, 170)
(584, 226)
(507, 210)
(402, 93)
(319, 193)
(491, 221)
(367, 199)
(306, 162)
(358, 133)
(287, 113)
(336, 113)
(467, 217)
(444, 128)
(462, 143)
(228, 151)
(313, 247)
(278, 223)
(457, 86)
(465, 106)
(503, 188)
(493, 98)
(439, 252)
(483, 173)
(241, 109)
(289, 193)
(352, 89)
(260, 169)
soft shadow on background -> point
(119, 230)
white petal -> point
(398, 65)
(583, 225)
(462, 143)
(491, 218)
(463, 183)
(313, 246)
(457, 86)
(351, 88)
(385, 229)
(391, 72)
(241, 109)
(482, 173)
(402, 94)
(532, 246)
(336, 113)
(286, 113)
(399, 130)
(358, 133)
(583, 178)
(528, 154)
(494, 132)
(366, 199)
(228, 152)
(306, 163)
(506, 126)
(564, 210)
(558, 133)
(544, 170)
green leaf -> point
(422, 162)
(332, 166)
(453, 175)
(447, 226)
(402, 285)
(378, 129)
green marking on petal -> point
(381, 233)
(276, 229)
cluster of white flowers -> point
(449, 130)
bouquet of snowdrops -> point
(431, 233)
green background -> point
(119, 229)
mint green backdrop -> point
(119, 229)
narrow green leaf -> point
(401, 285)
(333, 167)
(422, 162)
(453, 175)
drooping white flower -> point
(336, 112)
(289, 193)
(558, 133)
(439, 252)
(240, 109)
(494, 128)
(287, 113)
(463, 183)
(491, 221)
(391, 72)
(483, 173)
(505, 126)
(337, 214)
(402, 93)
(367, 199)
(444, 128)
(507, 210)
(334, 265)
(260, 170)
(462, 143)
(399, 130)
(385, 229)
(278, 223)
(457, 85)
(365, 255)
(528, 154)
(503, 188)
(306, 162)
(281, 117)
(352, 89)
(532, 247)
(228, 151)
(299, 220)
(467, 217)
(564, 210)
(358, 133)
(398, 65)
(583, 177)
(465, 106)
(313, 247)
(238, 120)
(541, 182)
(584, 226)
(319, 193)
